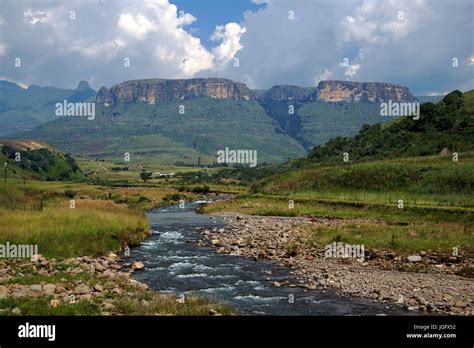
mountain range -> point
(22, 109)
(185, 121)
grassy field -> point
(437, 196)
(430, 180)
(101, 219)
(93, 227)
(377, 226)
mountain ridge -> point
(155, 91)
(143, 117)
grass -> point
(91, 228)
(104, 217)
(131, 302)
(413, 228)
(100, 221)
(103, 220)
(279, 206)
(429, 180)
(412, 238)
(40, 306)
(124, 305)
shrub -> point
(70, 193)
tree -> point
(145, 175)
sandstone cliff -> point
(335, 91)
(156, 91)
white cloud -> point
(416, 50)
(137, 26)
(35, 17)
(3, 48)
(325, 75)
(351, 70)
(383, 21)
(229, 36)
(414, 47)
(89, 48)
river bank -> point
(176, 263)
(429, 282)
(88, 286)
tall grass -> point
(421, 181)
(93, 227)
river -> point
(174, 264)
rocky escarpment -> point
(155, 91)
(374, 92)
(288, 93)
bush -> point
(173, 197)
(143, 199)
(201, 189)
(70, 193)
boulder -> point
(82, 289)
(414, 258)
(49, 289)
(3, 291)
(112, 257)
(138, 266)
(36, 290)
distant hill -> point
(34, 160)
(162, 135)
(23, 109)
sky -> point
(426, 45)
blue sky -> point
(210, 13)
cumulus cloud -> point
(35, 17)
(351, 70)
(137, 26)
(94, 42)
(229, 36)
(411, 42)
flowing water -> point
(174, 264)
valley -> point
(410, 212)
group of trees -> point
(445, 124)
(43, 163)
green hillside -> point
(159, 133)
(32, 160)
(314, 123)
(449, 123)
(400, 159)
